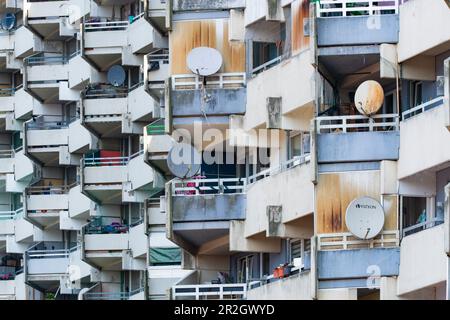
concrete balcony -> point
(157, 146)
(126, 110)
(44, 205)
(355, 268)
(288, 185)
(6, 161)
(377, 138)
(47, 139)
(7, 289)
(113, 42)
(54, 20)
(295, 287)
(423, 137)
(117, 180)
(423, 262)
(7, 222)
(44, 73)
(227, 95)
(25, 105)
(295, 103)
(366, 22)
(423, 26)
(104, 245)
(200, 211)
(162, 278)
(46, 264)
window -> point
(298, 247)
(416, 97)
(299, 144)
(245, 268)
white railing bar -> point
(421, 107)
(371, 6)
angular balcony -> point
(157, 64)
(47, 139)
(45, 204)
(377, 138)
(7, 222)
(6, 161)
(289, 185)
(226, 95)
(157, 145)
(10, 273)
(105, 241)
(25, 105)
(46, 263)
(112, 112)
(294, 102)
(423, 262)
(45, 73)
(51, 20)
(113, 180)
(200, 210)
(360, 22)
(423, 137)
(110, 42)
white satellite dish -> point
(365, 218)
(204, 61)
(184, 161)
(369, 97)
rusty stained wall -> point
(299, 12)
(335, 191)
(187, 35)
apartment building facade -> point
(101, 100)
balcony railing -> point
(347, 241)
(7, 92)
(267, 65)
(210, 291)
(357, 123)
(431, 223)
(346, 8)
(106, 26)
(101, 91)
(111, 295)
(45, 60)
(11, 215)
(217, 81)
(6, 154)
(48, 122)
(106, 225)
(42, 190)
(156, 128)
(422, 108)
(296, 161)
(195, 187)
(40, 251)
(109, 161)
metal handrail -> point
(40, 123)
(199, 291)
(110, 161)
(6, 154)
(39, 60)
(345, 8)
(356, 123)
(111, 295)
(267, 65)
(39, 190)
(106, 26)
(422, 226)
(296, 161)
(422, 108)
(7, 92)
(200, 186)
(156, 128)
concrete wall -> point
(48, 202)
(51, 72)
(356, 264)
(358, 146)
(424, 25)
(41, 138)
(340, 31)
(105, 39)
(423, 261)
(224, 101)
(422, 139)
(292, 189)
(281, 81)
(193, 5)
(47, 266)
(105, 242)
(114, 174)
(209, 207)
(296, 287)
(101, 107)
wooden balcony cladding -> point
(335, 191)
(300, 16)
(187, 35)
